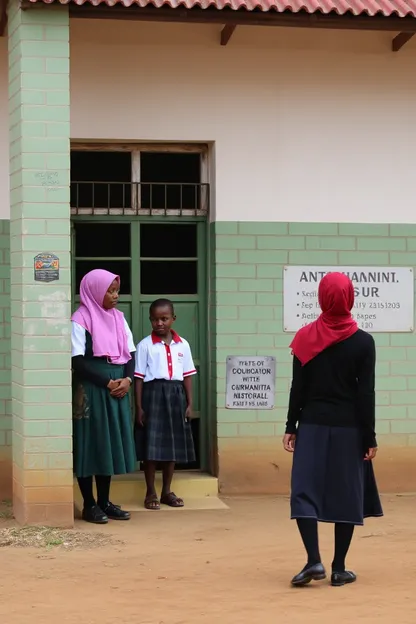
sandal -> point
(171, 500)
(152, 503)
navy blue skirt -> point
(331, 482)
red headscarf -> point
(336, 298)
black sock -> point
(85, 486)
(343, 537)
(308, 529)
(103, 490)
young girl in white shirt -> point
(163, 392)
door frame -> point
(203, 246)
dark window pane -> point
(168, 241)
(170, 167)
(112, 169)
(102, 239)
(170, 181)
(168, 277)
(169, 197)
(100, 195)
(119, 267)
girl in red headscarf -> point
(331, 429)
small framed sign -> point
(250, 382)
(46, 266)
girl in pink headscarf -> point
(103, 367)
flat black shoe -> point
(114, 512)
(309, 573)
(338, 579)
(95, 515)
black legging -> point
(103, 490)
(308, 529)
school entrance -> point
(141, 212)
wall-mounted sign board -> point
(384, 297)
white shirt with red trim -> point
(157, 360)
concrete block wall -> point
(249, 261)
(5, 365)
(40, 222)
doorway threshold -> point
(198, 489)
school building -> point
(198, 149)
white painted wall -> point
(307, 125)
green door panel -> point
(187, 325)
(125, 307)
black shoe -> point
(114, 512)
(338, 579)
(94, 514)
(315, 572)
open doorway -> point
(161, 253)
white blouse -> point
(78, 338)
(158, 360)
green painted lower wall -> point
(5, 390)
(247, 286)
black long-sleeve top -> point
(83, 366)
(336, 388)
(85, 369)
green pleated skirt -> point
(103, 442)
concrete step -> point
(200, 491)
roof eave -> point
(404, 26)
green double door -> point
(154, 258)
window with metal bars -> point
(110, 182)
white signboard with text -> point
(250, 382)
(384, 297)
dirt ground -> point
(230, 567)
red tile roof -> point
(381, 8)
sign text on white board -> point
(384, 297)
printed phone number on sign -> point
(362, 305)
(365, 320)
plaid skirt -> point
(166, 436)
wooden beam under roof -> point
(3, 17)
(400, 40)
(226, 33)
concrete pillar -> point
(5, 366)
(40, 223)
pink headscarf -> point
(105, 326)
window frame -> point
(136, 149)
